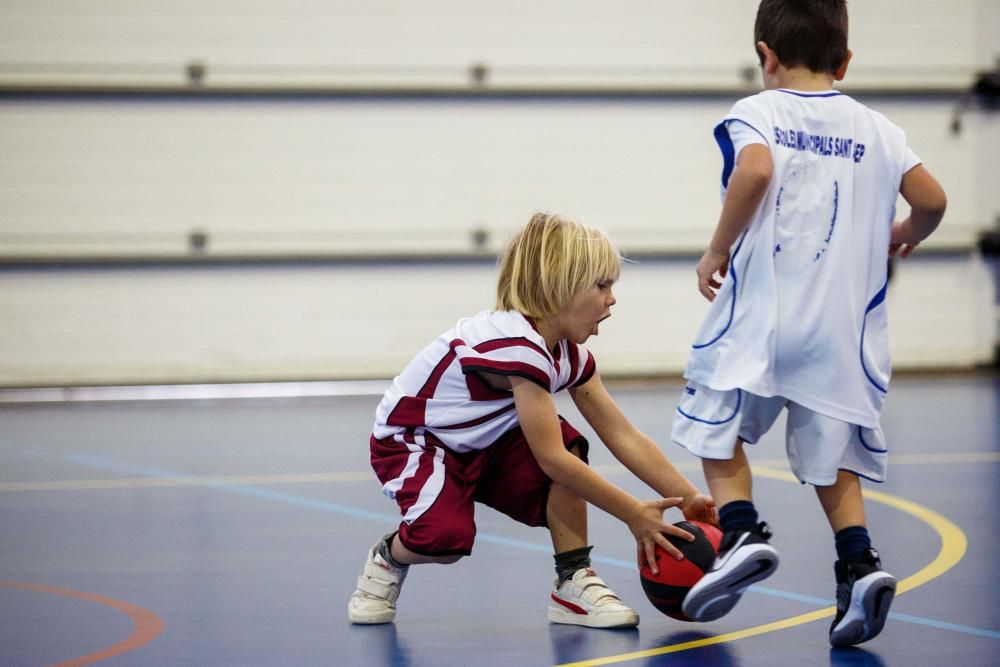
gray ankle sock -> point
(570, 561)
(385, 551)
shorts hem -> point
(434, 554)
(869, 475)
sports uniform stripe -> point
(575, 371)
(431, 487)
(479, 420)
(574, 360)
(481, 390)
(409, 412)
(526, 370)
(589, 368)
(444, 396)
(501, 343)
(430, 386)
(392, 487)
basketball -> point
(667, 589)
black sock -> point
(570, 561)
(852, 542)
(385, 551)
(738, 515)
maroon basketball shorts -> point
(437, 489)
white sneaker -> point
(584, 599)
(374, 600)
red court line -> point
(148, 625)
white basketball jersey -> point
(440, 399)
(801, 313)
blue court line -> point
(104, 463)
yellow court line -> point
(953, 546)
(313, 478)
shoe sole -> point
(371, 619)
(619, 619)
(871, 598)
(717, 593)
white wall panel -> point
(131, 178)
(309, 323)
(688, 42)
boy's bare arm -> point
(540, 423)
(747, 186)
(927, 202)
(637, 451)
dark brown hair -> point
(810, 33)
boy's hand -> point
(648, 527)
(711, 262)
(901, 239)
(700, 508)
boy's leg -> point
(374, 598)
(729, 479)
(842, 502)
(745, 557)
(437, 520)
(580, 596)
(864, 591)
(566, 516)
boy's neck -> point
(548, 331)
(800, 78)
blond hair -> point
(549, 261)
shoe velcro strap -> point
(593, 589)
(380, 589)
(383, 573)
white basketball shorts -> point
(708, 422)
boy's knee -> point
(443, 544)
(449, 559)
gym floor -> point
(230, 531)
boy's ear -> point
(768, 58)
(842, 70)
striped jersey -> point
(440, 398)
(801, 313)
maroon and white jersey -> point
(439, 398)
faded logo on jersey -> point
(805, 216)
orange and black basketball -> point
(667, 589)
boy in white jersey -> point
(471, 419)
(796, 273)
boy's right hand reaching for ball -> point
(648, 527)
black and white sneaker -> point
(864, 594)
(744, 558)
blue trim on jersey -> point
(874, 303)
(858, 474)
(732, 303)
(736, 411)
(722, 138)
(832, 93)
(861, 436)
(721, 134)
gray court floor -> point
(230, 532)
